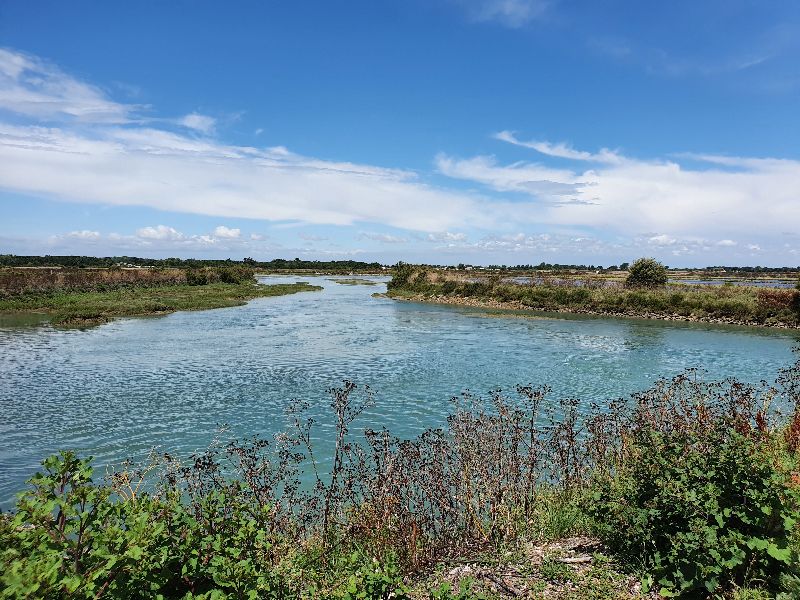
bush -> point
(449, 286)
(700, 498)
(73, 538)
(401, 275)
(196, 277)
(646, 272)
(206, 275)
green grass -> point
(70, 308)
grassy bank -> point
(687, 489)
(723, 304)
(82, 308)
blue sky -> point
(482, 131)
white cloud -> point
(728, 243)
(180, 174)
(723, 197)
(32, 87)
(84, 234)
(528, 178)
(310, 237)
(159, 232)
(384, 238)
(202, 123)
(662, 240)
(511, 13)
(446, 236)
(226, 232)
(561, 150)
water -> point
(762, 283)
(118, 390)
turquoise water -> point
(118, 390)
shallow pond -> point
(118, 390)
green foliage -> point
(234, 274)
(197, 277)
(373, 580)
(71, 538)
(700, 508)
(401, 275)
(445, 591)
(646, 272)
(554, 570)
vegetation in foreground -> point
(689, 490)
(81, 297)
(649, 297)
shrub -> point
(699, 498)
(196, 277)
(401, 275)
(646, 272)
(449, 286)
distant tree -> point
(624, 266)
(646, 272)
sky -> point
(438, 131)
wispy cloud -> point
(84, 234)
(201, 123)
(447, 236)
(511, 13)
(30, 86)
(383, 238)
(561, 150)
(722, 195)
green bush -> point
(206, 275)
(72, 538)
(700, 508)
(236, 274)
(449, 286)
(646, 272)
(196, 277)
(401, 275)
